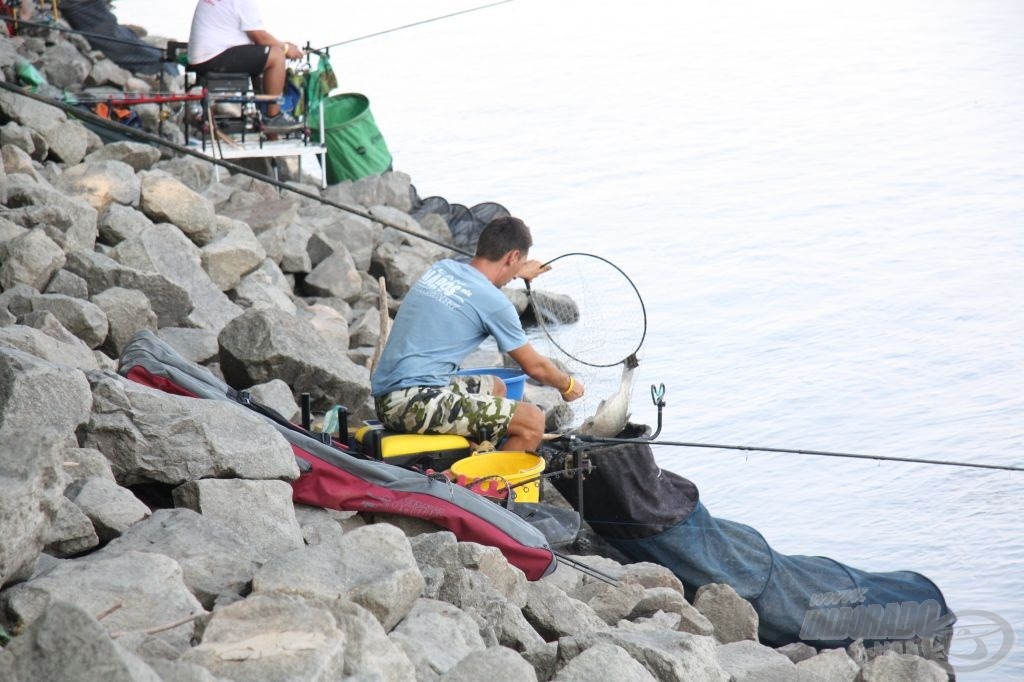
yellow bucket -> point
(484, 474)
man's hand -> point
(292, 51)
(531, 269)
(574, 390)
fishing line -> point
(819, 453)
(589, 309)
(417, 23)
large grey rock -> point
(106, 72)
(372, 566)
(19, 146)
(195, 173)
(148, 587)
(119, 222)
(67, 283)
(138, 155)
(265, 638)
(668, 655)
(68, 221)
(170, 300)
(38, 395)
(31, 258)
(259, 511)
(264, 344)
(481, 665)
(829, 665)
(83, 463)
(748, 661)
(366, 329)
(31, 499)
(163, 249)
(101, 183)
(111, 508)
(669, 600)
(555, 614)
(321, 525)
(67, 644)
(432, 621)
(259, 211)
(733, 617)
(66, 139)
(603, 662)
(798, 651)
(277, 395)
(336, 276)
(259, 289)
(233, 254)
(196, 345)
(391, 189)
(167, 199)
(893, 667)
(294, 248)
(214, 559)
(127, 311)
(332, 325)
(64, 66)
(649, 576)
(71, 352)
(71, 533)
(149, 435)
(401, 266)
(368, 650)
(333, 228)
(85, 320)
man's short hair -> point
(501, 236)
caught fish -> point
(612, 413)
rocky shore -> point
(145, 536)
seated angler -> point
(444, 318)
(228, 36)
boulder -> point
(603, 662)
(748, 661)
(67, 283)
(215, 560)
(67, 644)
(138, 155)
(119, 222)
(259, 211)
(170, 300)
(266, 638)
(732, 615)
(67, 140)
(798, 651)
(195, 345)
(480, 665)
(294, 240)
(85, 320)
(31, 499)
(194, 173)
(278, 396)
(331, 324)
(71, 533)
(368, 650)
(111, 508)
(401, 266)
(19, 146)
(71, 352)
(83, 463)
(40, 396)
(372, 566)
(336, 276)
(666, 654)
(555, 614)
(101, 183)
(894, 667)
(106, 72)
(164, 198)
(232, 255)
(127, 311)
(64, 66)
(31, 258)
(149, 435)
(148, 587)
(259, 511)
(829, 665)
(615, 602)
(431, 622)
(69, 221)
(163, 249)
(259, 289)
(264, 344)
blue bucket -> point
(515, 380)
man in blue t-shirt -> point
(444, 318)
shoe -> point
(281, 123)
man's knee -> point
(527, 422)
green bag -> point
(355, 147)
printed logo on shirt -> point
(444, 288)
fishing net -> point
(464, 223)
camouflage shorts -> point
(465, 407)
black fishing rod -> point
(820, 453)
(150, 138)
(417, 23)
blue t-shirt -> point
(444, 317)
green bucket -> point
(355, 147)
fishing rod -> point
(150, 138)
(417, 23)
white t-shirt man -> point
(221, 24)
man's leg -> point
(526, 429)
(274, 72)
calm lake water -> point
(822, 204)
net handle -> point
(544, 328)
